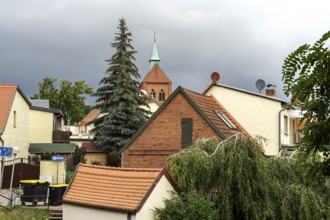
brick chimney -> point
(271, 92)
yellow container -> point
(33, 181)
(59, 185)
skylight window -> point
(224, 118)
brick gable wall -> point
(163, 135)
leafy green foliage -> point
(243, 184)
(119, 97)
(193, 206)
(69, 98)
(306, 75)
(24, 213)
(79, 155)
(96, 162)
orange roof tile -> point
(156, 74)
(121, 189)
(208, 104)
(7, 94)
(92, 115)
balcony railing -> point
(61, 136)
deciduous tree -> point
(69, 97)
(306, 75)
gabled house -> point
(46, 130)
(182, 119)
(81, 132)
(99, 192)
(44, 122)
(95, 155)
(14, 118)
(262, 115)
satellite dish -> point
(260, 84)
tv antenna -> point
(260, 84)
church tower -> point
(156, 84)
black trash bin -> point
(56, 193)
(34, 191)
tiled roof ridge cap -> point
(8, 85)
(197, 93)
(122, 168)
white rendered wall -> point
(162, 191)
(41, 126)
(258, 115)
(71, 212)
(18, 135)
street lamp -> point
(15, 152)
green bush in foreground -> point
(24, 213)
(241, 183)
(190, 207)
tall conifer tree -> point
(119, 97)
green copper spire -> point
(154, 54)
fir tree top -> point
(119, 96)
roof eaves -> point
(159, 110)
(245, 91)
(100, 207)
(24, 96)
(52, 110)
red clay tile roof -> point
(156, 74)
(121, 189)
(208, 104)
(7, 94)
(92, 115)
(90, 147)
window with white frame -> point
(226, 120)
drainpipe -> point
(3, 163)
(129, 216)
(279, 126)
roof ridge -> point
(122, 168)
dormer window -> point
(226, 120)
(152, 94)
(161, 96)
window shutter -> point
(186, 132)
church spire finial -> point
(154, 54)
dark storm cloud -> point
(243, 41)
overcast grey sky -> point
(242, 40)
